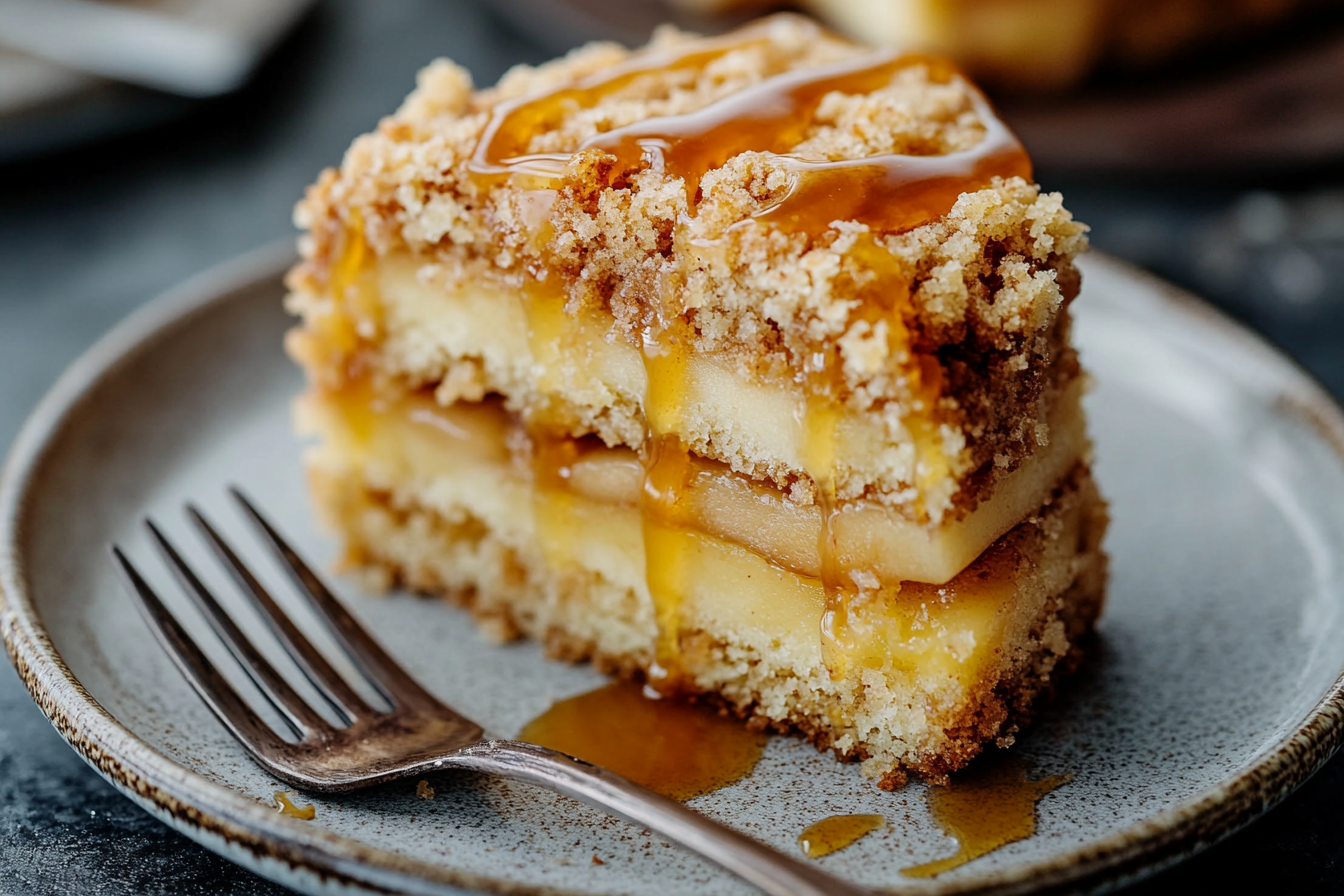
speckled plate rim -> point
(311, 859)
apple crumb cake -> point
(738, 364)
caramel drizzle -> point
(894, 192)
(668, 469)
(888, 192)
(771, 116)
(819, 450)
(512, 122)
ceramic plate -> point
(1214, 690)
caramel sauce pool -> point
(987, 806)
(835, 833)
(678, 749)
(286, 807)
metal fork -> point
(418, 734)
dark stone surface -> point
(87, 236)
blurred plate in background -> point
(75, 70)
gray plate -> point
(1214, 690)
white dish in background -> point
(1214, 688)
(76, 70)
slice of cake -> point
(739, 364)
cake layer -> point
(414, 440)
(935, 671)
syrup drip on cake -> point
(681, 750)
(819, 449)
(836, 832)
(858, 603)
(987, 806)
(354, 313)
(668, 467)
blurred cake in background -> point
(1039, 44)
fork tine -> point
(295, 710)
(329, 683)
(380, 669)
(213, 689)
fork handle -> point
(770, 871)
